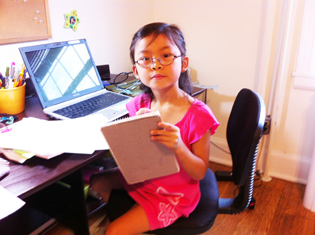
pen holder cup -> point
(12, 101)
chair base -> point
(224, 175)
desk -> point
(33, 182)
(30, 179)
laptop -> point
(66, 79)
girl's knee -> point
(103, 183)
(95, 182)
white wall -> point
(232, 43)
(222, 40)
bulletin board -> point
(24, 20)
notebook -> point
(64, 74)
(138, 157)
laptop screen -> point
(61, 71)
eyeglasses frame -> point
(158, 59)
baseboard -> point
(281, 165)
(288, 167)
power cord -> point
(257, 174)
(8, 118)
(118, 75)
(220, 147)
(123, 87)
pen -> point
(21, 76)
(16, 78)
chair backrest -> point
(244, 131)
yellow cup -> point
(12, 101)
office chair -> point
(244, 130)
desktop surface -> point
(29, 180)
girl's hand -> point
(169, 136)
(194, 161)
(143, 111)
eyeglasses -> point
(167, 59)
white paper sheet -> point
(81, 135)
(8, 203)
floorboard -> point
(278, 210)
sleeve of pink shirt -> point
(140, 101)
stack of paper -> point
(41, 137)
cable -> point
(259, 178)
(8, 118)
(258, 156)
(219, 147)
(125, 73)
(123, 87)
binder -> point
(138, 157)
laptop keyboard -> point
(91, 105)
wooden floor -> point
(279, 210)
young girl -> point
(158, 53)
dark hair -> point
(174, 34)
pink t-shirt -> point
(167, 198)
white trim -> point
(304, 82)
(309, 196)
(278, 81)
(305, 66)
(303, 75)
(296, 167)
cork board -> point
(24, 20)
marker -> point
(12, 70)
(7, 72)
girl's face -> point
(159, 76)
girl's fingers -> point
(168, 130)
(169, 136)
(143, 111)
(168, 126)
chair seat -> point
(199, 221)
